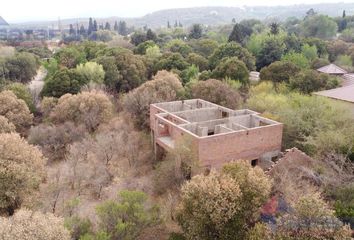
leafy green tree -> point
(305, 117)
(101, 35)
(171, 61)
(198, 60)
(92, 72)
(189, 74)
(137, 38)
(112, 76)
(196, 31)
(297, 58)
(204, 47)
(279, 71)
(69, 57)
(232, 68)
(271, 50)
(344, 205)
(22, 67)
(336, 48)
(310, 52)
(78, 227)
(150, 35)
(232, 49)
(308, 81)
(62, 82)
(178, 46)
(222, 206)
(348, 35)
(320, 45)
(218, 92)
(132, 69)
(344, 61)
(141, 48)
(319, 62)
(320, 26)
(240, 33)
(127, 217)
(153, 52)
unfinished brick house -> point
(218, 134)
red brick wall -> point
(219, 149)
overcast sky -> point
(30, 10)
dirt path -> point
(36, 85)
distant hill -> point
(216, 15)
(3, 22)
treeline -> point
(96, 32)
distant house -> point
(343, 95)
(332, 69)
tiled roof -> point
(332, 69)
(342, 93)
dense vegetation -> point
(79, 164)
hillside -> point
(215, 15)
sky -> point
(15, 11)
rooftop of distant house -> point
(346, 91)
(332, 69)
(342, 93)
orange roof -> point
(332, 69)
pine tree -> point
(107, 26)
(122, 28)
(115, 26)
(71, 30)
(150, 35)
(234, 20)
(310, 13)
(82, 30)
(176, 24)
(237, 35)
(101, 27)
(168, 24)
(343, 22)
(94, 29)
(196, 31)
(274, 28)
(180, 24)
(90, 27)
